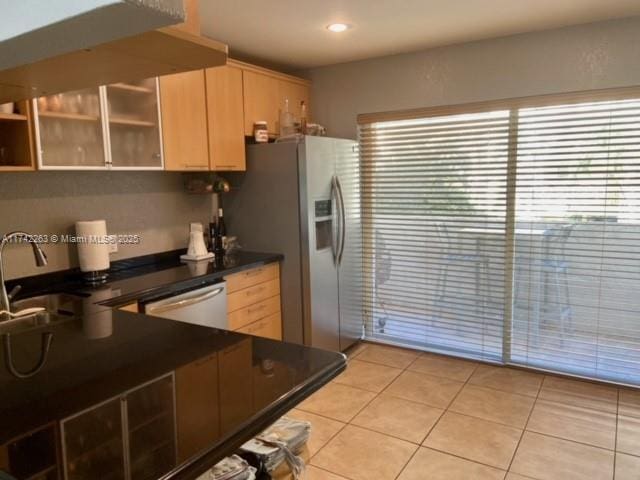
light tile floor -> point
(406, 415)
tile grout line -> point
(571, 441)
(407, 368)
(524, 428)
(444, 411)
(476, 385)
(369, 403)
(344, 424)
(348, 422)
(404, 467)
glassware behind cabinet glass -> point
(70, 129)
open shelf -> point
(131, 122)
(130, 88)
(69, 116)
(17, 145)
(12, 116)
(149, 420)
(16, 168)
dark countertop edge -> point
(228, 445)
(70, 280)
(204, 278)
(62, 277)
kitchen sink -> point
(58, 307)
(65, 304)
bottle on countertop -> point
(213, 227)
(219, 234)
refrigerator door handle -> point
(334, 205)
(343, 221)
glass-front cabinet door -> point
(112, 127)
(130, 437)
(70, 130)
(93, 443)
(134, 124)
(151, 430)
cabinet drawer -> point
(268, 327)
(251, 295)
(253, 313)
(252, 277)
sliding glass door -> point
(509, 234)
(434, 223)
(576, 305)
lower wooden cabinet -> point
(197, 405)
(252, 295)
(268, 327)
(252, 313)
(129, 437)
(32, 456)
(253, 301)
(236, 392)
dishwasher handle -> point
(185, 302)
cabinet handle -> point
(254, 291)
(257, 326)
(251, 273)
(256, 308)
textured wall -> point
(150, 204)
(598, 55)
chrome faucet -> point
(41, 261)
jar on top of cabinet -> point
(260, 131)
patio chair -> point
(382, 273)
(553, 278)
(453, 255)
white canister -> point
(7, 107)
(93, 245)
(261, 131)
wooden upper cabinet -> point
(260, 101)
(226, 120)
(296, 93)
(265, 93)
(184, 121)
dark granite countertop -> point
(191, 394)
(139, 277)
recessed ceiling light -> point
(338, 27)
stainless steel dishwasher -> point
(201, 305)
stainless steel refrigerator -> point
(302, 199)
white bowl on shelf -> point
(7, 107)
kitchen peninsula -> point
(139, 396)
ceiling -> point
(292, 33)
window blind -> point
(433, 213)
(576, 305)
(510, 232)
